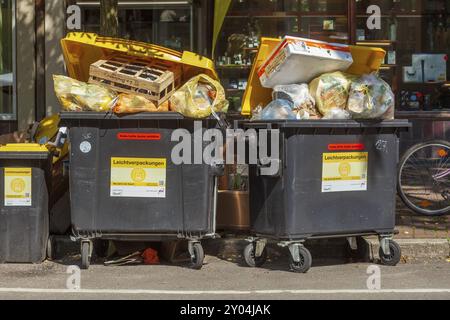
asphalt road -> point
(224, 280)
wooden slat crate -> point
(156, 79)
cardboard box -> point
(299, 60)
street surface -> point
(224, 280)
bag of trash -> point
(75, 95)
(337, 114)
(331, 90)
(370, 98)
(131, 103)
(199, 98)
(299, 95)
(278, 110)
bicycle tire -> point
(405, 199)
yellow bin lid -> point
(365, 60)
(82, 49)
(24, 147)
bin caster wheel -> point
(51, 248)
(198, 256)
(304, 262)
(394, 257)
(251, 260)
(85, 255)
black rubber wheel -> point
(199, 257)
(101, 248)
(251, 260)
(394, 257)
(305, 262)
(51, 248)
(85, 256)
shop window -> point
(7, 60)
(249, 20)
(416, 35)
(169, 25)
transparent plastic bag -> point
(278, 110)
(75, 95)
(370, 98)
(199, 98)
(299, 95)
(337, 114)
(256, 114)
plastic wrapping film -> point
(75, 95)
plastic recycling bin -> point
(335, 179)
(125, 186)
(24, 217)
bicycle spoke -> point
(424, 178)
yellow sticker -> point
(345, 171)
(18, 187)
(138, 177)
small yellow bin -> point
(83, 49)
(365, 60)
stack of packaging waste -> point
(199, 97)
(302, 92)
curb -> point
(415, 250)
(231, 249)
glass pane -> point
(249, 20)
(415, 33)
(166, 27)
(173, 29)
(6, 57)
(330, 29)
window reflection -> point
(166, 27)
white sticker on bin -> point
(138, 177)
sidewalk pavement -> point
(413, 226)
(422, 239)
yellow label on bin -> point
(345, 171)
(138, 177)
(18, 187)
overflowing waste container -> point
(335, 167)
(24, 218)
(124, 184)
(335, 179)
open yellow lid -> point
(24, 147)
(365, 60)
(82, 49)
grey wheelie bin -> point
(24, 217)
(125, 186)
(334, 179)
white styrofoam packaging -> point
(299, 60)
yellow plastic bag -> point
(131, 103)
(199, 98)
(331, 91)
(75, 95)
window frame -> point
(13, 116)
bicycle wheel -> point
(424, 178)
